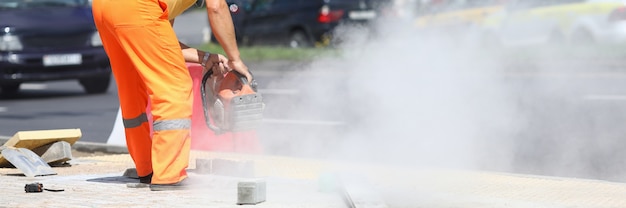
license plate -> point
(62, 59)
(361, 15)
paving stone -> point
(55, 153)
(294, 182)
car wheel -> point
(299, 40)
(213, 39)
(10, 89)
(246, 41)
(96, 85)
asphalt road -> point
(59, 105)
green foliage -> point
(264, 53)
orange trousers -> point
(148, 66)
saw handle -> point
(207, 117)
(244, 80)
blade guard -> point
(232, 103)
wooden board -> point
(33, 139)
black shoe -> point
(146, 179)
(182, 185)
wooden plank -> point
(33, 139)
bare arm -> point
(222, 26)
(191, 54)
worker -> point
(149, 66)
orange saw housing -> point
(233, 103)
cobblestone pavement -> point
(97, 181)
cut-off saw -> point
(231, 103)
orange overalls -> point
(148, 66)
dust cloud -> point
(396, 96)
(418, 102)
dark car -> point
(45, 40)
(297, 23)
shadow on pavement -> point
(114, 180)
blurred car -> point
(296, 23)
(45, 40)
(538, 22)
(455, 15)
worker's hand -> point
(240, 67)
(217, 62)
(219, 69)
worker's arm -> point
(222, 27)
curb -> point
(100, 147)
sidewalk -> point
(295, 182)
(98, 182)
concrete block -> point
(55, 153)
(131, 173)
(225, 167)
(251, 191)
(27, 161)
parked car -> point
(539, 22)
(456, 13)
(454, 20)
(45, 40)
(296, 23)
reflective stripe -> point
(176, 124)
(135, 122)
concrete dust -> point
(405, 100)
(434, 102)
